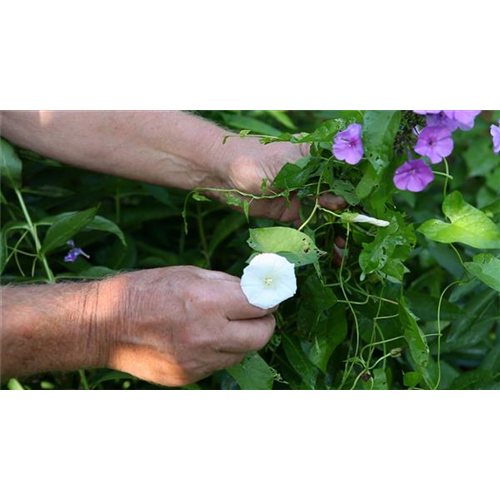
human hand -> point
(246, 162)
(178, 325)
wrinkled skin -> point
(199, 321)
(177, 325)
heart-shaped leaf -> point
(468, 225)
(486, 268)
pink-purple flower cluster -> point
(434, 142)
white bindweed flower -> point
(268, 280)
(370, 220)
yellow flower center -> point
(268, 281)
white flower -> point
(268, 280)
(370, 220)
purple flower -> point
(426, 112)
(495, 134)
(435, 143)
(441, 120)
(414, 175)
(464, 119)
(348, 145)
(74, 252)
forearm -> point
(55, 327)
(170, 148)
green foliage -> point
(398, 309)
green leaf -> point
(119, 258)
(4, 238)
(14, 385)
(233, 200)
(159, 193)
(227, 226)
(295, 245)
(477, 380)
(414, 337)
(419, 350)
(253, 374)
(469, 225)
(411, 379)
(368, 182)
(486, 268)
(102, 224)
(248, 123)
(97, 224)
(346, 190)
(464, 325)
(329, 335)
(199, 197)
(10, 165)
(299, 361)
(49, 191)
(325, 132)
(425, 307)
(107, 376)
(378, 382)
(66, 226)
(282, 117)
(295, 175)
(379, 131)
(398, 236)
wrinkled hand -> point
(248, 162)
(180, 324)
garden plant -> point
(400, 289)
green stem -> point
(316, 205)
(203, 238)
(84, 380)
(34, 234)
(439, 334)
(447, 178)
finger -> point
(332, 202)
(237, 307)
(337, 257)
(340, 242)
(278, 209)
(305, 149)
(247, 335)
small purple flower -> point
(441, 120)
(464, 119)
(495, 135)
(348, 145)
(435, 143)
(74, 252)
(414, 176)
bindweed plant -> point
(411, 301)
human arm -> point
(195, 322)
(169, 148)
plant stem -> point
(439, 334)
(34, 234)
(203, 238)
(447, 178)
